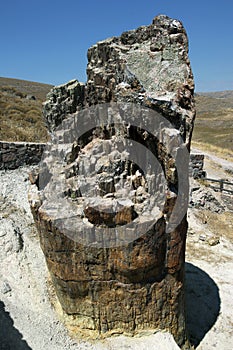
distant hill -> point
(21, 116)
(39, 90)
(214, 121)
(207, 102)
(218, 94)
(21, 110)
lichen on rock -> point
(99, 184)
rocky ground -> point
(209, 257)
(27, 319)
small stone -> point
(6, 288)
(190, 232)
(9, 247)
(33, 177)
(202, 238)
(204, 220)
(212, 241)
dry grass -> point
(220, 224)
(213, 129)
(27, 87)
(21, 118)
(220, 152)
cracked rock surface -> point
(89, 189)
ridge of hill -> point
(39, 90)
(218, 94)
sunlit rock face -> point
(110, 198)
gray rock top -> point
(148, 66)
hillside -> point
(214, 122)
(21, 116)
(218, 94)
(21, 110)
(26, 87)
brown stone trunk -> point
(136, 284)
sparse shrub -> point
(20, 118)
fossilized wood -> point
(140, 285)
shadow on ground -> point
(202, 303)
(10, 337)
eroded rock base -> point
(91, 193)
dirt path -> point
(215, 166)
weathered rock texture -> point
(63, 100)
(196, 166)
(16, 154)
(140, 285)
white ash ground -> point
(28, 321)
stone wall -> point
(196, 166)
(15, 154)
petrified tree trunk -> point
(111, 226)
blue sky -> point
(47, 41)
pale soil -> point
(222, 158)
(28, 321)
(214, 303)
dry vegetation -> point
(221, 224)
(21, 110)
(213, 129)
